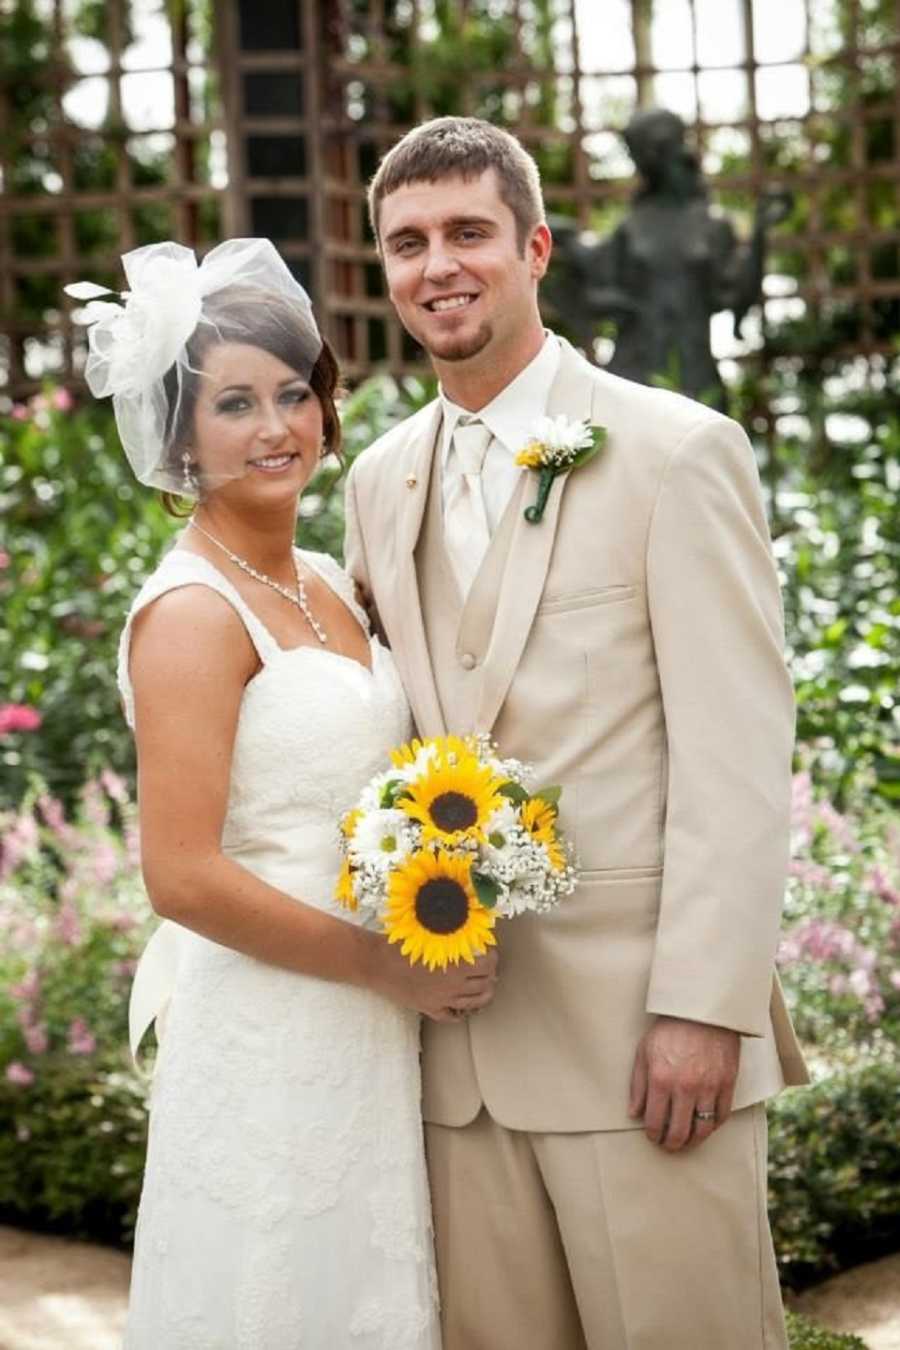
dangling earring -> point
(188, 477)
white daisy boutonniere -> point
(558, 445)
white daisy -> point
(382, 838)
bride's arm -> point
(191, 659)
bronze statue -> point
(668, 267)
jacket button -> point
(467, 661)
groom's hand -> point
(441, 995)
(682, 1068)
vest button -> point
(468, 661)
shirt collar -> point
(510, 417)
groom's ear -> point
(538, 250)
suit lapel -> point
(530, 552)
(407, 631)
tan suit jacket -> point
(630, 647)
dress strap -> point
(180, 568)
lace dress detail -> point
(285, 1200)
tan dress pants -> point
(604, 1241)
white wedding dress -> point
(285, 1201)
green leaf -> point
(514, 792)
(550, 794)
(389, 793)
(486, 889)
(598, 440)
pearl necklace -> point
(300, 599)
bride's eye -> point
(233, 404)
(299, 394)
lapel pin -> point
(411, 480)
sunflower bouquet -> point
(447, 839)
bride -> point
(285, 1202)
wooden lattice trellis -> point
(103, 146)
(313, 91)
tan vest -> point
(458, 635)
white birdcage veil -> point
(147, 351)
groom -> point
(596, 1138)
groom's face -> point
(456, 275)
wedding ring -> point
(704, 1115)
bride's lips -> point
(272, 464)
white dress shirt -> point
(511, 418)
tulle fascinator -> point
(147, 350)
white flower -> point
(502, 829)
(419, 766)
(382, 838)
(563, 436)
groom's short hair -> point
(466, 147)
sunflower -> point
(454, 798)
(539, 819)
(350, 822)
(434, 912)
(343, 891)
(420, 755)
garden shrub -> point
(838, 955)
(805, 1335)
(834, 1172)
(73, 919)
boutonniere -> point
(558, 445)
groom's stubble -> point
(462, 349)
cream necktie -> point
(466, 530)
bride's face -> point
(257, 425)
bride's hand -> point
(441, 995)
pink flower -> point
(18, 1074)
(19, 413)
(18, 717)
(62, 400)
(36, 1038)
(861, 983)
(28, 988)
(4, 560)
(113, 785)
(81, 1042)
(52, 811)
(837, 825)
(880, 883)
(18, 843)
(68, 924)
(122, 922)
(104, 863)
(94, 803)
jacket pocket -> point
(603, 595)
(619, 874)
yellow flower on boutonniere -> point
(558, 445)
